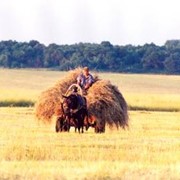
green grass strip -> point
(28, 103)
(138, 108)
(19, 103)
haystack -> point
(104, 101)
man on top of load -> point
(85, 79)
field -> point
(149, 149)
(142, 92)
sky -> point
(120, 22)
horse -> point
(74, 109)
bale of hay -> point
(49, 101)
(104, 101)
(107, 104)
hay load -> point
(105, 102)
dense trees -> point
(103, 57)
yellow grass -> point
(150, 149)
(31, 150)
(155, 92)
(25, 84)
(154, 101)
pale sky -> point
(121, 22)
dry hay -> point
(107, 104)
(105, 101)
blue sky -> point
(121, 22)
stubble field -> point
(149, 149)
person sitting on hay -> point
(85, 79)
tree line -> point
(148, 58)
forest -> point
(147, 58)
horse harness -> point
(81, 105)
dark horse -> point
(74, 112)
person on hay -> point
(85, 80)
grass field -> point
(149, 149)
(31, 150)
(142, 92)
